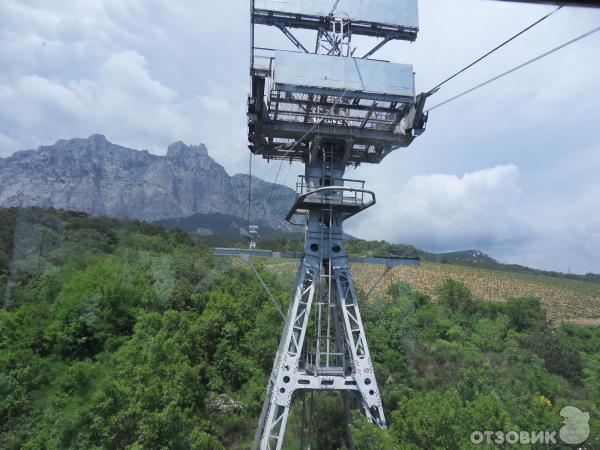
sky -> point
(511, 169)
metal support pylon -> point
(323, 346)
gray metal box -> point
(357, 77)
(403, 13)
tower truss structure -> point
(328, 109)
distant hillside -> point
(478, 259)
(472, 258)
(104, 179)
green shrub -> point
(525, 313)
(558, 356)
(456, 297)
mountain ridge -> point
(99, 177)
(184, 188)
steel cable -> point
(431, 91)
(514, 69)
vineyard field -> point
(563, 299)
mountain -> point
(185, 189)
(104, 179)
(468, 257)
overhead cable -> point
(514, 69)
(249, 188)
(431, 91)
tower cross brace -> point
(323, 345)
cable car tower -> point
(328, 108)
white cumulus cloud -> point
(445, 212)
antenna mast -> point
(328, 110)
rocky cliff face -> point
(95, 176)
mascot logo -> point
(576, 429)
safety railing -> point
(333, 191)
(309, 183)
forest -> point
(118, 334)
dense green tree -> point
(456, 297)
(525, 313)
(367, 436)
(119, 334)
(559, 357)
(433, 420)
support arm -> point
(377, 47)
(415, 119)
(292, 38)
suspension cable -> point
(437, 87)
(287, 174)
(514, 69)
(249, 188)
(264, 285)
(335, 5)
(271, 191)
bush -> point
(124, 332)
(558, 357)
(456, 297)
(367, 436)
(432, 420)
(398, 289)
(525, 313)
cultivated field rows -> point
(564, 299)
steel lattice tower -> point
(328, 109)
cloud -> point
(121, 99)
(488, 210)
(566, 235)
(141, 72)
(444, 212)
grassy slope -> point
(563, 299)
(564, 296)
